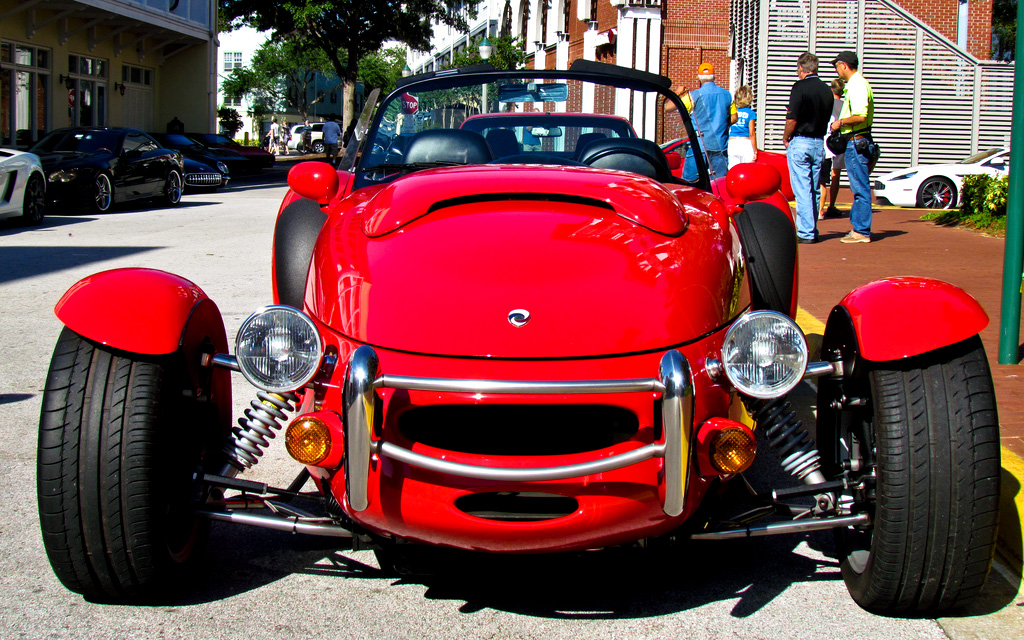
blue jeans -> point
(719, 164)
(860, 184)
(804, 156)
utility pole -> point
(1013, 258)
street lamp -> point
(485, 52)
(406, 71)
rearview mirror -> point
(546, 132)
(534, 92)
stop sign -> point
(409, 104)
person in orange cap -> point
(713, 112)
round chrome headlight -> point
(764, 354)
(278, 349)
(223, 168)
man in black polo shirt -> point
(810, 107)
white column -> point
(589, 53)
(624, 55)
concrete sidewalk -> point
(902, 244)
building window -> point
(136, 75)
(87, 96)
(24, 94)
(232, 61)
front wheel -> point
(925, 449)
(103, 193)
(120, 440)
(172, 188)
(937, 193)
(34, 203)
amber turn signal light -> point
(308, 440)
(732, 450)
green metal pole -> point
(1013, 258)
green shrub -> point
(982, 205)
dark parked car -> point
(202, 177)
(258, 158)
(102, 166)
(224, 160)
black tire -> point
(931, 433)
(33, 206)
(937, 193)
(119, 442)
(172, 188)
(103, 193)
(318, 146)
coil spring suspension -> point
(257, 428)
(787, 438)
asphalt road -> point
(263, 584)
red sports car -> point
(552, 350)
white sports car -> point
(22, 187)
(937, 186)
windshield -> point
(978, 157)
(177, 140)
(78, 141)
(517, 117)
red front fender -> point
(903, 317)
(141, 311)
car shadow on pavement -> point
(29, 261)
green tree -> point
(1004, 29)
(280, 75)
(346, 30)
(507, 53)
(382, 69)
(230, 121)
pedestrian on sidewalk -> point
(833, 164)
(712, 110)
(810, 106)
(331, 134)
(855, 122)
(275, 132)
(743, 134)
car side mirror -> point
(749, 181)
(314, 180)
(674, 160)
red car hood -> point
(438, 261)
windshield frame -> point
(581, 71)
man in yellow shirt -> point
(855, 122)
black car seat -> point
(503, 142)
(448, 145)
(636, 155)
(585, 139)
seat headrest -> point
(448, 145)
(503, 142)
(585, 139)
(636, 155)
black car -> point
(223, 160)
(98, 167)
(202, 177)
(258, 158)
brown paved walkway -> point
(902, 244)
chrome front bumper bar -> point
(363, 378)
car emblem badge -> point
(518, 317)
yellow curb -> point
(1010, 539)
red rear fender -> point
(903, 317)
(142, 311)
